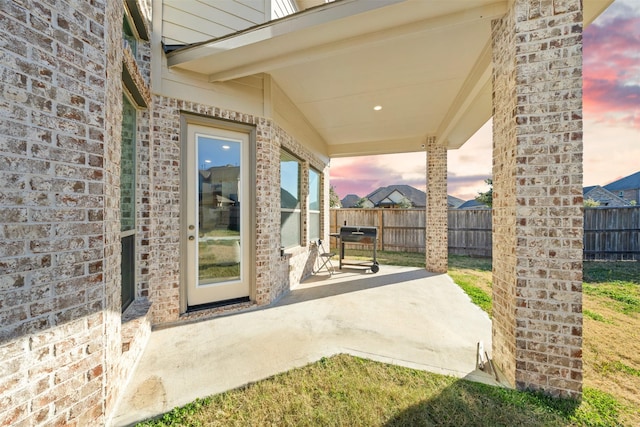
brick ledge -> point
(134, 318)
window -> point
(314, 204)
(290, 213)
(128, 35)
(134, 31)
(128, 167)
(128, 201)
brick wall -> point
(537, 205)
(126, 333)
(62, 337)
(437, 208)
(53, 237)
(504, 208)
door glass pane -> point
(219, 201)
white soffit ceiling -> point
(426, 62)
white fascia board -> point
(368, 148)
(290, 24)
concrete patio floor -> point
(400, 315)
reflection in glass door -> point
(217, 246)
(218, 210)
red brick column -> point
(537, 205)
(436, 238)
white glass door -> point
(217, 232)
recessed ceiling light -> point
(378, 107)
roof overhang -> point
(427, 63)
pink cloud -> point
(362, 175)
(611, 72)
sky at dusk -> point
(611, 121)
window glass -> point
(128, 167)
(290, 223)
(314, 204)
(129, 36)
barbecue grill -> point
(361, 236)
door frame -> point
(187, 119)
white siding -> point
(242, 95)
(192, 21)
(282, 8)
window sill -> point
(134, 321)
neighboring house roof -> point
(603, 196)
(454, 202)
(393, 194)
(350, 200)
(473, 204)
(630, 182)
(288, 199)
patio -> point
(400, 315)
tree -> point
(334, 199)
(405, 203)
(590, 203)
(361, 203)
(486, 197)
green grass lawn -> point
(349, 391)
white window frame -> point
(315, 234)
(290, 211)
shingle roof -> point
(627, 183)
(454, 201)
(350, 200)
(473, 204)
(418, 198)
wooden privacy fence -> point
(609, 233)
(403, 230)
(612, 233)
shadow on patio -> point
(400, 315)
